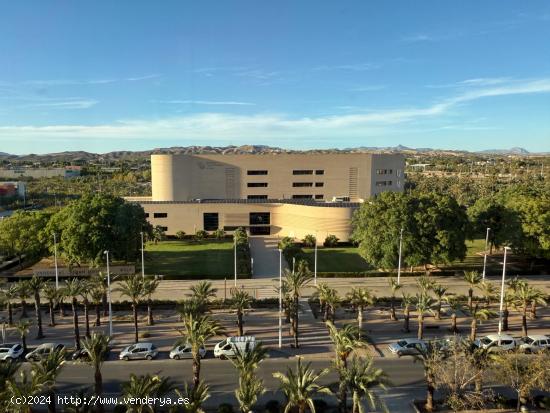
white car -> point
(407, 346)
(183, 351)
(495, 343)
(139, 351)
(229, 347)
(10, 351)
(534, 343)
(43, 350)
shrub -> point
(309, 240)
(225, 408)
(289, 248)
(219, 233)
(331, 241)
(200, 235)
(180, 235)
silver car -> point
(407, 346)
(139, 351)
(184, 352)
(10, 351)
(534, 343)
(43, 350)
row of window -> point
(294, 184)
(294, 172)
(384, 183)
(304, 196)
(384, 171)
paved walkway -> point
(266, 257)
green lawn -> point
(344, 259)
(190, 260)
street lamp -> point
(280, 298)
(142, 255)
(399, 263)
(485, 252)
(502, 291)
(55, 261)
(235, 257)
(106, 252)
(315, 262)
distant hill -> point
(511, 151)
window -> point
(258, 172)
(160, 215)
(380, 183)
(302, 184)
(210, 221)
(319, 172)
(319, 184)
(257, 184)
(259, 218)
(257, 196)
(163, 228)
(302, 196)
(302, 172)
(147, 215)
(319, 197)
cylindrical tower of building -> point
(162, 177)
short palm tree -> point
(23, 388)
(143, 390)
(96, 294)
(394, 286)
(423, 304)
(197, 330)
(539, 297)
(250, 386)
(407, 302)
(322, 290)
(35, 286)
(132, 287)
(488, 292)
(332, 302)
(296, 280)
(203, 292)
(11, 293)
(425, 284)
(361, 378)
(473, 279)
(479, 314)
(240, 301)
(23, 327)
(23, 293)
(150, 285)
(52, 295)
(248, 392)
(246, 362)
(455, 305)
(47, 370)
(360, 298)
(97, 347)
(73, 289)
(100, 282)
(196, 396)
(301, 386)
(524, 296)
(439, 292)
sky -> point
(133, 75)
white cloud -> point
(146, 77)
(69, 104)
(415, 38)
(206, 102)
(354, 67)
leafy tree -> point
(158, 234)
(331, 241)
(309, 241)
(200, 235)
(289, 248)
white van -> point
(228, 347)
(495, 343)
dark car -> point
(83, 355)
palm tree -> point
(52, 295)
(480, 359)
(246, 362)
(250, 386)
(439, 292)
(96, 293)
(23, 327)
(488, 292)
(132, 287)
(23, 389)
(425, 284)
(423, 304)
(322, 290)
(394, 286)
(35, 286)
(97, 347)
(47, 371)
(361, 378)
(345, 341)
(537, 298)
(360, 298)
(301, 386)
(431, 357)
(331, 303)
(191, 306)
(407, 302)
(100, 281)
(144, 390)
(197, 330)
(73, 289)
(296, 280)
(508, 300)
(248, 392)
(196, 396)
(150, 285)
(524, 296)
(84, 294)
(203, 292)
(11, 293)
(473, 279)
(455, 305)
(240, 301)
(79, 405)
(23, 293)
(480, 314)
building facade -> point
(273, 194)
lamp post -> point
(485, 253)
(399, 263)
(235, 257)
(315, 263)
(106, 252)
(55, 261)
(280, 298)
(142, 257)
(502, 291)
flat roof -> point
(306, 202)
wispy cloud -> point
(354, 67)
(206, 102)
(145, 77)
(67, 104)
(416, 38)
(367, 88)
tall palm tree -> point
(321, 292)
(97, 347)
(407, 302)
(96, 294)
(73, 289)
(203, 292)
(296, 281)
(301, 386)
(537, 298)
(150, 285)
(439, 292)
(196, 396)
(524, 296)
(197, 330)
(488, 292)
(509, 297)
(23, 293)
(246, 362)
(479, 314)
(248, 392)
(431, 358)
(132, 287)
(100, 282)
(332, 302)
(47, 370)
(11, 293)
(23, 327)
(35, 286)
(361, 378)
(360, 298)
(345, 341)
(240, 301)
(455, 305)
(144, 390)
(84, 295)
(250, 386)
(52, 295)
(423, 304)
(473, 279)
(394, 286)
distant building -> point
(9, 189)
(68, 172)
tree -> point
(423, 304)
(35, 286)
(150, 285)
(301, 386)
(360, 298)
(23, 293)
(524, 296)
(132, 287)
(196, 395)
(240, 301)
(479, 314)
(52, 295)
(289, 248)
(250, 386)
(23, 388)
(47, 370)
(98, 291)
(143, 391)
(323, 290)
(431, 358)
(488, 292)
(332, 302)
(203, 292)
(19, 234)
(180, 235)
(407, 302)
(97, 348)
(331, 241)
(11, 293)
(23, 328)
(361, 378)
(296, 280)
(158, 234)
(394, 286)
(455, 305)
(84, 294)
(73, 289)
(473, 279)
(309, 241)
(439, 291)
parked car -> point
(407, 346)
(83, 354)
(229, 347)
(10, 351)
(183, 351)
(139, 351)
(496, 343)
(534, 343)
(43, 350)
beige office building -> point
(269, 194)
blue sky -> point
(130, 75)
